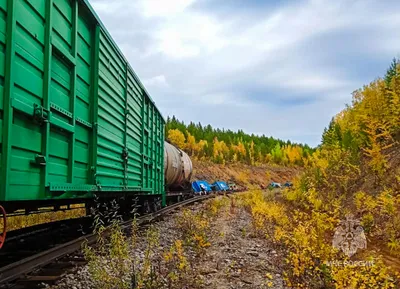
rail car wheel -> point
(157, 204)
(3, 230)
(146, 209)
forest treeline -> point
(226, 146)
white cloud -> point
(306, 57)
(221, 100)
(105, 7)
(158, 81)
(172, 44)
(164, 8)
(307, 82)
(188, 35)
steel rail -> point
(41, 228)
(15, 270)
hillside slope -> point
(242, 174)
(367, 182)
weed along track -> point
(48, 265)
(212, 244)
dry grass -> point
(19, 222)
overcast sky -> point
(280, 68)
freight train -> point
(76, 122)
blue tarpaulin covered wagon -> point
(220, 186)
(200, 186)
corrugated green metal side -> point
(3, 62)
(74, 117)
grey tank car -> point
(178, 169)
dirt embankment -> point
(243, 175)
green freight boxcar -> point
(75, 120)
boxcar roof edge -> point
(91, 9)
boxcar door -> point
(111, 117)
(134, 133)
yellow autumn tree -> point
(191, 146)
(251, 153)
(379, 139)
(200, 148)
(220, 150)
(259, 158)
(235, 158)
(240, 151)
(177, 138)
(268, 158)
(293, 154)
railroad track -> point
(26, 242)
(48, 266)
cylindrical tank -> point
(178, 167)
